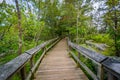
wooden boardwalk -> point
(57, 65)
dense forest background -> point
(94, 24)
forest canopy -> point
(27, 23)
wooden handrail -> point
(9, 69)
(88, 53)
(110, 65)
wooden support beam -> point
(23, 73)
(100, 72)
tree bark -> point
(22, 71)
(116, 35)
(19, 28)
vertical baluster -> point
(31, 66)
(69, 47)
(31, 62)
(78, 54)
(22, 73)
(100, 72)
(44, 49)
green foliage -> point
(33, 30)
(102, 38)
(112, 19)
(105, 39)
(42, 20)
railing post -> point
(44, 49)
(100, 72)
(69, 48)
(78, 55)
(31, 62)
(78, 58)
(22, 73)
(111, 77)
(31, 66)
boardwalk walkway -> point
(57, 65)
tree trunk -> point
(19, 28)
(22, 71)
(116, 35)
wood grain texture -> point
(94, 56)
(112, 66)
(57, 65)
(8, 69)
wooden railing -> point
(107, 68)
(18, 64)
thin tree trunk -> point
(115, 35)
(22, 71)
(19, 28)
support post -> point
(44, 49)
(100, 72)
(22, 73)
(69, 50)
(31, 62)
(79, 59)
(31, 66)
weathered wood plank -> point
(33, 69)
(88, 53)
(112, 66)
(13, 66)
(57, 65)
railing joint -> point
(28, 53)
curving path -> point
(57, 65)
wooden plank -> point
(8, 69)
(57, 65)
(100, 72)
(33, 69)
(112, 66)
(88, 53)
